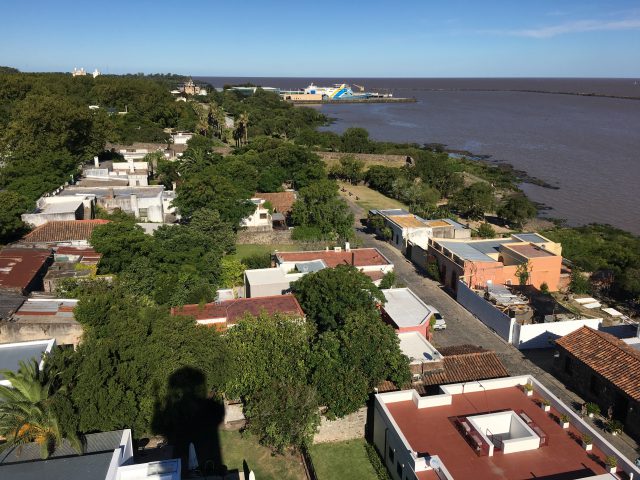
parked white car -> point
(440, 324)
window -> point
(399, 470)
(567, 365)
(142, 213)
(594, 385)
(263, 216)
(391, 455)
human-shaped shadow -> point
(189, 413)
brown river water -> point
(588, 147)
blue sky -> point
(514, 38)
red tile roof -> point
(359, 257)
(467, 367)
(19, 266)
(63, 231)
(234, 310)
(88, 254)
(607, 355)
(281, 201)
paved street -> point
(464, 328)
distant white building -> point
(181, 138)
(136, 173)
(78, 72)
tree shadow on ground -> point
(186, 414)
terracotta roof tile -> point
(359, 257)
(234, 310)
(607, 355)
(467, 367)
(281, 201)
(63, 231)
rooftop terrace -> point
(455, 427)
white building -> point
(260, 219)
(407, 227)
(53, 207)
(181, 138)
(136, 173)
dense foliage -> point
(320, 214)
(603, 249)
(121, 369)
(179, 264)
(330, 295)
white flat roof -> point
(62, 207)
(265, 276)
(405, 308)
(417, 348)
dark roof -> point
(19, 266)
(9, 303)
(612, 358)
(64, 464)
(234, 310)
(63, 231)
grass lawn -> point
(247, 250)
(237, 448)
(369, 198)
(342, 460)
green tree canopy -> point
(350, 361)
(320, 207)
(474, 201)
(517, 210)
(328, 296)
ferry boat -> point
(340, 91)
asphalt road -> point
(464, 328)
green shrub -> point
(433, 272)
(376, 463)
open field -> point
(342, 460)
(237, 448)
(369, 198)
(369, 159)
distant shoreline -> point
(549, 92)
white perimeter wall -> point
(486, 312)
(540, 335)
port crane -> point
(360, 87)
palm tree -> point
(26, 415)
(243, 119)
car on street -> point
(440, 323)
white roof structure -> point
(405, 308)
(11, 354)
(265, 276)
(417, 348)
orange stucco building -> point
(499, 261)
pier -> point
(353, 100)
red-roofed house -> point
(291, 266)
(22, 269)
(227, 313)
(63, 232)
(604, 370)
(282, 202)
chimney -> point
(131, 166)
(173, 185)
(96, 162)
(347, 247)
